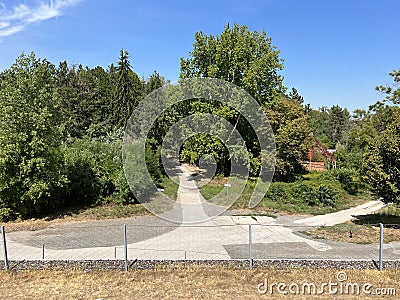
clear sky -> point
(334, 51)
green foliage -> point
(7, 214)
(392, 92)
(201, 145)
(310, 194)
(247, 59)
(323, 195)
(85, 96)
(382, 165)
(348, 179)
(240, 56)
(294, 94)
(154, 82)
(128, 91)
(30, 136)
(94, 170)
(330, 125)
(280, 192)
(292, 135)
(254, 167)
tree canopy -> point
(30, 136)
(382, 164)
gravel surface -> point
(119, 265)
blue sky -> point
(334, 51)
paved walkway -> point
(342, 216)
(223, 237)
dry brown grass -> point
(364, 228)
(180, 283)
(361, 234)
(101, 212)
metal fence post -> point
(3, 235)
(42, 251)
(250, 248)
(125, 249)
(381, 247)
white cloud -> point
(19, 16)
(10, 30)
(4, 24)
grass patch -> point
(313, 194)
(170, 187)
(364, 229)
(179, 283)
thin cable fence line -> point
(209, 226)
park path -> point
(343, 215)
(197, 237)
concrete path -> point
(197, 237)
(342, 216)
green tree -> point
(392, 92)
(154, 82)
(292, 134)
(330, 125)
(128, 91)
(294, 94)
(240, 56)
(30, 136)
(338, 124)
(382, 164)
(86, 96)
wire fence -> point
(186, 242)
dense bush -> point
(94, 172)
(280, 192)
(7, 214)
(323, 195)
(302, 192)
(346, 177)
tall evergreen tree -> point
(154, 82)
(294, 94)
(128, 91)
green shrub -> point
(94, 170)
(279, 192)
(346, 177)
(326, 195)
(7, 214)
(314, 195)
(302, 191)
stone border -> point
(119, 265)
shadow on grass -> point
(388, 220)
